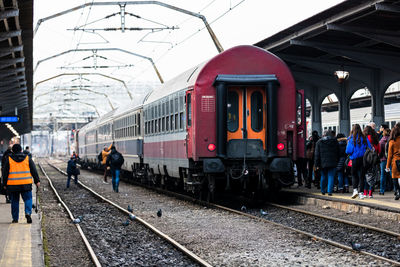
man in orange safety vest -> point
(18, 172)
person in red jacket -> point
(373, 138)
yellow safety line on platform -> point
(18, 247)
(365, 200)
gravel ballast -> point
(116, 240)
(223, 238)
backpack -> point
(371, 175)
(387, 149)
(100, 157)
(117, 159)
(370, 158)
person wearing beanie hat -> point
(18, 172)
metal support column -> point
(316, 124)
(377, 103)
(344, 110)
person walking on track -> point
(356, 147)
(103, 158)
(72, 169)
(115, 161)
(18, 172)
(393, 159)
(326, 159)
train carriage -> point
(235, 116)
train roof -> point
(182, 81)
(109, 116)
(238, 60)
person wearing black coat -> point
(7, 153)
(72, 170)
(326, 159)
(340, 168)
(19, 172)
(115, 161)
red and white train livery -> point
(236, 119)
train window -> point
(233, 110)
(172, 122)
(176, 122)
(138, 123)
(159, 126)
(163, 124)
(181, 120)
(171, 106)
(152, 127)
(189, 110)
(181, 99)
(166, 107)
(167, 123)
(176, 104)
(257, 111)
(163, 108)
(392, 124)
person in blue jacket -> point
(356, 147)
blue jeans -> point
(27, 197)
(342, 179)
(115, 179)
(383, 177)
(69, 179)
(327, 179)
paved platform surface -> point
(385, 201)
(20, 243)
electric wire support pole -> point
(187, 12)
(102, 49)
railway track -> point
(336, 232)
(104, 225)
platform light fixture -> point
(9, 126)
(342, 75)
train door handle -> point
(301, 132)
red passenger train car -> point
(235, 121)
(242, 121)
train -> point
(361, 116)
(235, 121)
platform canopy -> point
(356, 36)
(16, 29)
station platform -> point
(20, 243)
(380, 205)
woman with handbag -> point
(356, 147)
(393, 159)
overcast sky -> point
(234, 22)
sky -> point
(182, 45)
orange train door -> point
(246, 114)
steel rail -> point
(170, 240)
(315, 237)
(261, 219)
(87, 244)
(373, 228)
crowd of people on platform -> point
(370, 158)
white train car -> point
(362, 116)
